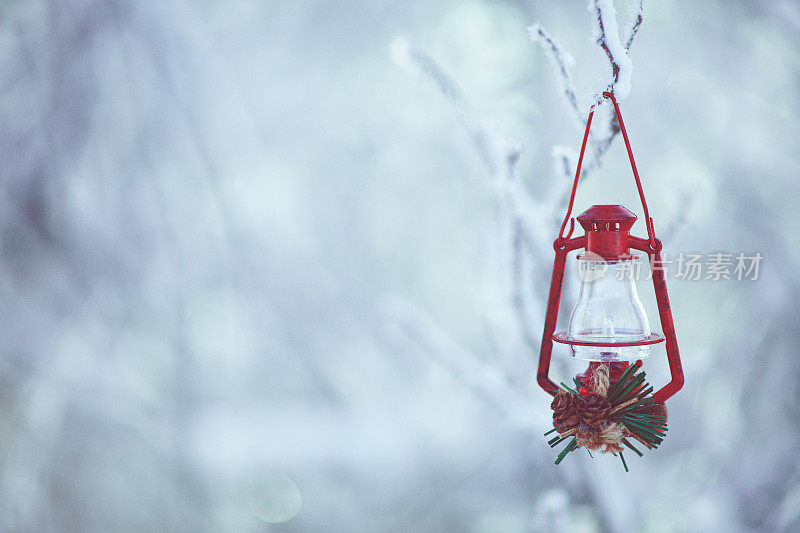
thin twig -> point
(562, 62)
(636, 22)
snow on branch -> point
(525, 221)
(638, 16)
(562, 62)
(606, 34)
(498, 155)
(414, 327)
(415, 59)
(526, 225)
(525, 247)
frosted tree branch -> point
(485, 380)
(498, 155)
(636, 21)
(409, 56)
(529, 248)
(526, 239)
(564, 161)
(562, 63)
(600, 138)
(606, 33)
(520, 216)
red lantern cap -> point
(608, 231)
(600, 216)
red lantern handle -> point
(665, 314)
(553, 303)
(647, 218)
(652, 246)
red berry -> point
(583, 391)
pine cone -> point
(564, 415)
(593, 411)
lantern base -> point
(565, 338)
(608, 352)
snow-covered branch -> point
(408, 56)
(562, 63)
(416, 328)
(606, 127)
(527, 223)
(498, 155)
(606, 33)
(636, 21)
(528, 247)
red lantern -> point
(608, 325)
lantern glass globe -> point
(608, 312)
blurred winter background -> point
(265, 265)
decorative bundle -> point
(607, 408)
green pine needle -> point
(649, 429)
(645, 392)
(636, 405)
(654, 426)
(646, 418)
(650, 439)
(623, 379)
(567, 388)
(629, 388)
(640, 414)
(573, 444)
(627, 443)
(641, 427)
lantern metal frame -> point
(613, 241)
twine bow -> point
(610, 436)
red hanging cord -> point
(648, 220)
